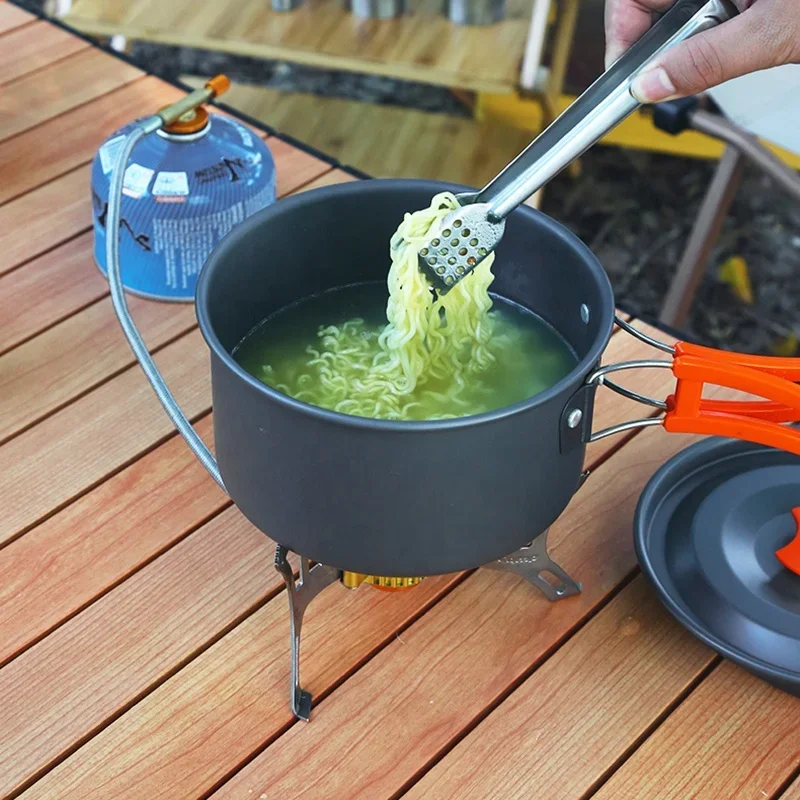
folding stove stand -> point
(532, 562)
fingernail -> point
(652, 86)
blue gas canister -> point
(185, 187)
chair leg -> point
(704, 235)
(534, 45)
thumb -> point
(736, 47)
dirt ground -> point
(635, 210)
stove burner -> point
(531, 562)
(352, 580)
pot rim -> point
(330, 193)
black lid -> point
(707, 528)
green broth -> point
(529, 355)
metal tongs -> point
(474, 230)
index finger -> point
(626, 21)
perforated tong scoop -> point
(473, 231)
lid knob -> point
(789, 555)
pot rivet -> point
(574, 418)
(584, 312)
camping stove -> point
(531, 562)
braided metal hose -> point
(144, 128)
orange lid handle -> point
(789, 555)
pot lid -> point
(716, 533)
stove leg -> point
(311, 582)
(532, 562)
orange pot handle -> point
(756, 421)
(686, 411)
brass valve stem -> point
(214, 88)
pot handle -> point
(686, 411)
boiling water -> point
(529, 356)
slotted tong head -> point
(473, 231)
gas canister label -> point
(247, 139)
(171, 184)
(108, 153)
(137, 179)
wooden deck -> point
(144, 634)
(421, 46)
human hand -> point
(766, 34)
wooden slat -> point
(426, 42)
(12, 17)
(63, 688)
(60, 145)
(793, 792)
(48, 371)
(189, 732)
(602, 688)
(47, 290)
(71, 451)
(295, 168)
(63, 86)
(86, 549)
(46, 217)
(33, 47)
(420, 46)
(734, 737)
(329, 179)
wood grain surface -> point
(422, 45)
(44, 218)
(144, 632)
(12, 17)
(59, 145)
(53, 90)
(35, 46)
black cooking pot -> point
(382, 497)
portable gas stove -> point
(532, 562)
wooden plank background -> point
(144, 632)
(423, 45)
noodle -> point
(431, 349)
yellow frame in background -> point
(637, 131)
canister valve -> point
(187, 115)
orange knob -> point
(219, 84)
(789, 555)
